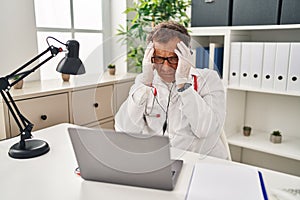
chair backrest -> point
(225, 142)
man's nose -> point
(166, 63)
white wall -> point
(17, 36)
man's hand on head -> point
(148, 65)
(184, 64)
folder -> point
(256, 61)
(226, 181)
(293, 80)
(268, 65)
(216, 57)
(281, 66)
(235, 61)
(245, 64)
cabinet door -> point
(121, 93)
(42, 112)
(92, 105)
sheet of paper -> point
(223, 181)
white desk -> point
(52, 176)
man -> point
(172, 98)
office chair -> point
(225, 142)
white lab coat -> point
(195, 118)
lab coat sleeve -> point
(129, 118)
(205, 108)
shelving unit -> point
(263, 110)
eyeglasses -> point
(160, 60)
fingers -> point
(184, 53)
(149, 50)
(183, 48)
(178, 53)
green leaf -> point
(128, 10)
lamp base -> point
(33, 148)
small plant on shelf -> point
(246, 130)
(276, 137)
(111, 69)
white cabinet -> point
(42, 112)
(264, 110)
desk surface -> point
(52, 176)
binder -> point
(281, 66)
(245, 64)
(202, 57)
(199, 57)
(268, 65)
(293, 82)
(235, 61)
(256, 61)
(218, 59)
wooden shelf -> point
(259, 141)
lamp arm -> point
(54, 51)
(25, 126)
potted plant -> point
(148, 13)
(19, 84)
(276, 137)
(111, 69)
(246, 130)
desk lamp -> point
(70, 64)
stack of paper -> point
(223, 181)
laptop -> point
(123, 158)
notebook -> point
(122, 158)
(226, 181)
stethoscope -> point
(154, 92)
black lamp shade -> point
(71, 64)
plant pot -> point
(65, 77)
(276, 139)
(112, 71)
(246, 130)
(19, 85)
